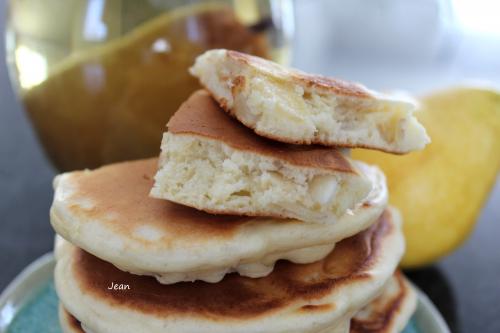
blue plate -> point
(29, 304)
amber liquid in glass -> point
(103, 88)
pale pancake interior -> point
(213, 163)
(295, 107)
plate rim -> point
(32, 268)
(8, 295)
(426, 303)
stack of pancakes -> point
(253, 219)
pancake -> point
(388, 313)
(213, 163)
(108, 213)
(294, 107)
(69, 324)
(294, 298)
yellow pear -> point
(441, 190)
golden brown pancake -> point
(200, 115)
(108, 213)
(291, 106)
(211, 162)
(388, 313)
(328, 84)
(293, 298)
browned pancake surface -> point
(237, 297)
(200, 115)
(70, 321)
(120, 200)
(336, 86)
(384, 311)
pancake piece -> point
(294, 107)
(213, 163)
(314, 297)
(69, 324)
(389, 312)
(108, 213)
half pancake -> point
(294, 107)
(213, 163)
(294, 298)
(108, 213)
(388, 313)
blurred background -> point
(413, 45)
(94, 81)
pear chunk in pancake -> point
(388, 313)
(294, 107)
(108, 213)
(211, 162)
(294, 298)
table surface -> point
(465, 286)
